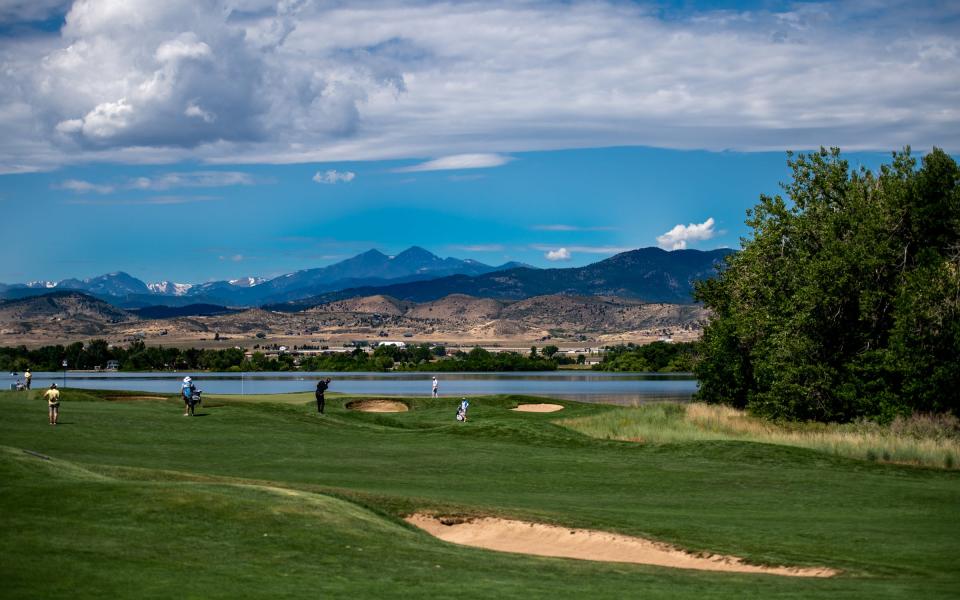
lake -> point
(585, 386)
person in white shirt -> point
(436, 388)
(52, 396)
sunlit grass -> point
(923, 440)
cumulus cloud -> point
(677, 238)
(252, 81)
(458, 161)
(151, 74)
(558, 254)
(331, 177)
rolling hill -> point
(69, 313)
(63, 317)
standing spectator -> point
(53, 403)
(187, 390)
(27, 377)
(436, 388)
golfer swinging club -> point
(322, 386)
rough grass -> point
(921, 440)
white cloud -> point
(165, 181)
(193, 179)
(183, 47)
(194, 110)
(247, 81)
(677, 238)
(332, 176)
(139, 73)
(458, 161)
(558, 254)
(82, 187)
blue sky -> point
(197, 141)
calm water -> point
(585, 386)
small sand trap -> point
(541, 408)
(132, 398)
(378, 406)
(522, 537)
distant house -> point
(113, 365)
(397, 344)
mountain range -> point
(371, 268)
(647, 274)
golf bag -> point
(196, 398)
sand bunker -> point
(541, 408)
(378, 406)
(549, 540)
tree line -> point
(139, 357)
(657, 357)
(844, 302)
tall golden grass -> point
(923, 440)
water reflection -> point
(584, 386)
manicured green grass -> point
(271, 499)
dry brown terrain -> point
(456, 319)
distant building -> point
(397, 344)
(113, 365)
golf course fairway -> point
(251, 499)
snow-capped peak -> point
(247, 281)
(42, 284)
(169, 287)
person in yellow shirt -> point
(27, 377)
(53, 403)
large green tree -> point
(844, 302)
